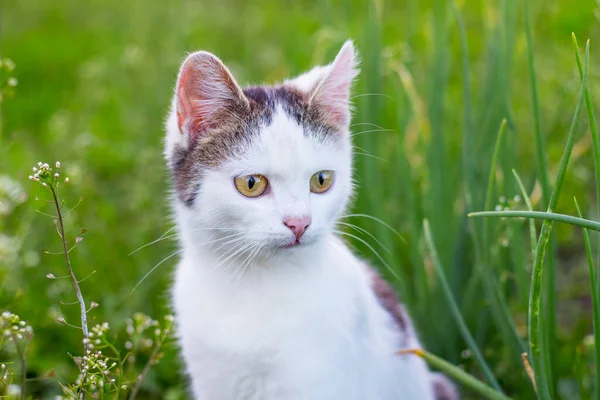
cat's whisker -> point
(154, 268)
(230, 242)
(379, 257)
(372, 94)
(163, 237)
(388, 226)
(370, 131)
(240, 250)
(364, 152)
(358, 153)
(248, 259)
(228, 239)
(364, 231)
(366, 123)
(258, 249)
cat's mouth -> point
(291, 245)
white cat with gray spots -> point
(270, 304)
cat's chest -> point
(315, 308)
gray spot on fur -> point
(443, 388)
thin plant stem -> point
(595, 295)
(457, 374)
(541, 359)
(23, 363)
(462, 326)
(151, 361)
(545, 216)
(596, 147)
(81, 301)
(594, 133)
(549, 311)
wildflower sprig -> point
(103, 367)
(99, 373)
(45, 175)
(16, 330)
(137, 329)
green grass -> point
(438, 78)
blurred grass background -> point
(95, 79)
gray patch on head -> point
(236, 131)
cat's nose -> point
(298, 225)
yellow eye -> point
(321, 181)
(251, 185)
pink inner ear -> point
(205, 91)
(333, 93)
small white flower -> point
(498, 208)
(34, 169)
(13, 390)
(56, 175)
(67, 179)
(128, 345)
(58, 164)
(12, 82)
(502, 199)
(44, 184)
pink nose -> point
(298, 225)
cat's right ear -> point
(206, 94)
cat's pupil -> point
(251, 182)
(321, 179)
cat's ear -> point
(206, 94)
(331, 93)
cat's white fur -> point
(276, 324)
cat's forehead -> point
(286, 148)
(276, 114)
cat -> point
(270, 303)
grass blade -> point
(458, 374)
(487, 275)
(542, 360)
(464, 330)
(596, 148)
(546, 216)
(550, 309)
(595, 297)
(532, 231)
(467, 148)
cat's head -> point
(261, 168)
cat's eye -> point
(251, 185)
(321, 181)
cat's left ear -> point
(331, 94)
